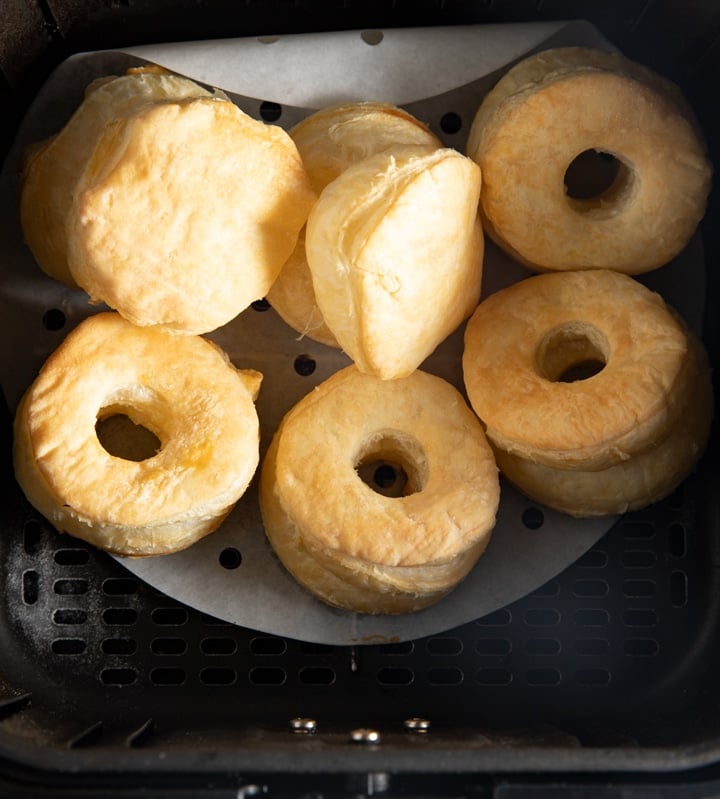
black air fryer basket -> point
(600, 682)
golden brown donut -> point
(52, 167)
(522, 340)
(185, 213)
(184, 390)
(636, 483)
(558, 104)
(329, 141)
(352, 546)
(395, 248)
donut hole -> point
(574, 351)
(392, 464)
(596, 180)
(126, 430)
(385, 477)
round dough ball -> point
(395, 248)
(185, 214)
(51, 168)
(329, 141)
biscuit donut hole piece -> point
(379, 496)
(527, 345)
(185, 213)
(329, 141)
(52, 168)
(573, 351)
(89, 475)
(589, 161)
(395, 248)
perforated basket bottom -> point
(603, 652)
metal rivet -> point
(247, 791)
(417, 725)
(303, 726)
(363, 735)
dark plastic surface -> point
(607, 673)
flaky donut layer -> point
(558, 104)
(329, 141)
(185, 213)
(636, 483)
(521, 340)
(184, 390)
(349, 544)
(395, 249)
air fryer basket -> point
(602, 679)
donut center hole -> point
(596, 178)
(572, 352)
(124, 438)
(392, 464)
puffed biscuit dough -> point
(329, 141)
(180, 209)
(52, 167)
(395, 248)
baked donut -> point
(633, 484)
(182, 389)
(567, 106)
(329, 141)
(522, 341)
(51, 168)
(395, 248)
(349, 544)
